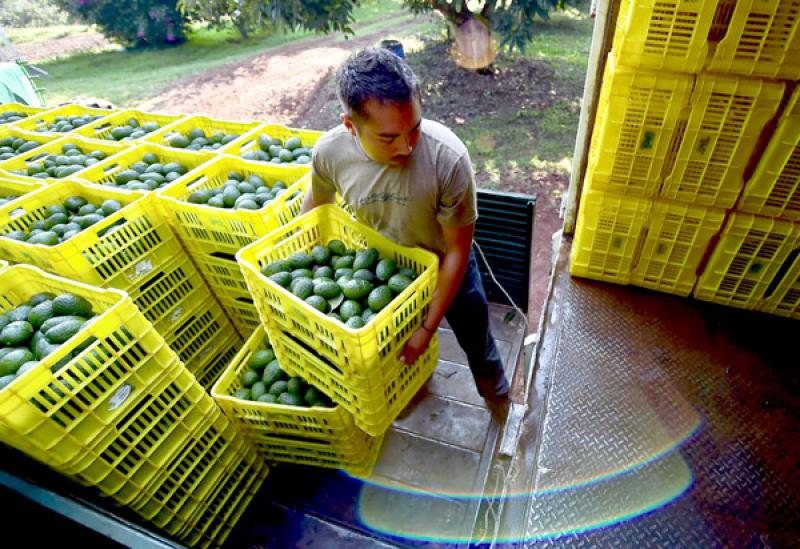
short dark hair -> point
(375, 73)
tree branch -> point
(488, 9)
(450, 12)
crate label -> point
(141, 269)
(176, 314)
(120, 396)
(204, 352)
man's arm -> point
(317, 195)
(451, 273)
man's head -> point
(380, 98)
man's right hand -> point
(415, 346)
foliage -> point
(512, 21)
(30, 13)
(323, 16)
(132, 23)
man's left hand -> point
(416, 345)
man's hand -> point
(416, 345)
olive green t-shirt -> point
(408, 204)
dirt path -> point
(37, 52)
(275, 86)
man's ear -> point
(347, 120)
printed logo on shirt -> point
(372, 198)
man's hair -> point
(375, 73)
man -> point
(411, 179)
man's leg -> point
(468, 316)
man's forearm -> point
(451, 275)
(309, 203)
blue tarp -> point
(16, 87)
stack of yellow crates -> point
(115, 409)
(123, 406)
(692, 92)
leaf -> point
(335, 302)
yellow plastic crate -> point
(222, 273)
(250, 142)
(101, 129)
(609, 236)
(210, 126)
(783, 294)
(748, 259)
(18, 166)
(726, 119)
(118, 259)
(183, 479)
(170, 293)
(127, 460)
(229, 287)
(676, 241)
(242, 312)
(19, 107)
(192, 482)
(226, 230)
(375, 396)
(11, 131)
(323, 454)
(3, 264)
(322, 437)
(216, 356)
(104, 173)
(213, 521)
(35, 121)
(59, 416)
(15, 187)
(355, 352)
(198, 333)
(761, 38)
(638, 116)
(666, 35)
(774, 188)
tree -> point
(475, 21)
(316, 15)
(132, 23)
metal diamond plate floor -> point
(658, 422)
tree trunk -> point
(473, 47)
(242, 26)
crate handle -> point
(782, 272)
(108, 170)
(196, 183)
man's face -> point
(388, 132)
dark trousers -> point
(468, 316)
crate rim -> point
(319, 211)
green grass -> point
(514, 144)
(38, 34)
(128, 77)
(566, 37)
(516, 140)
